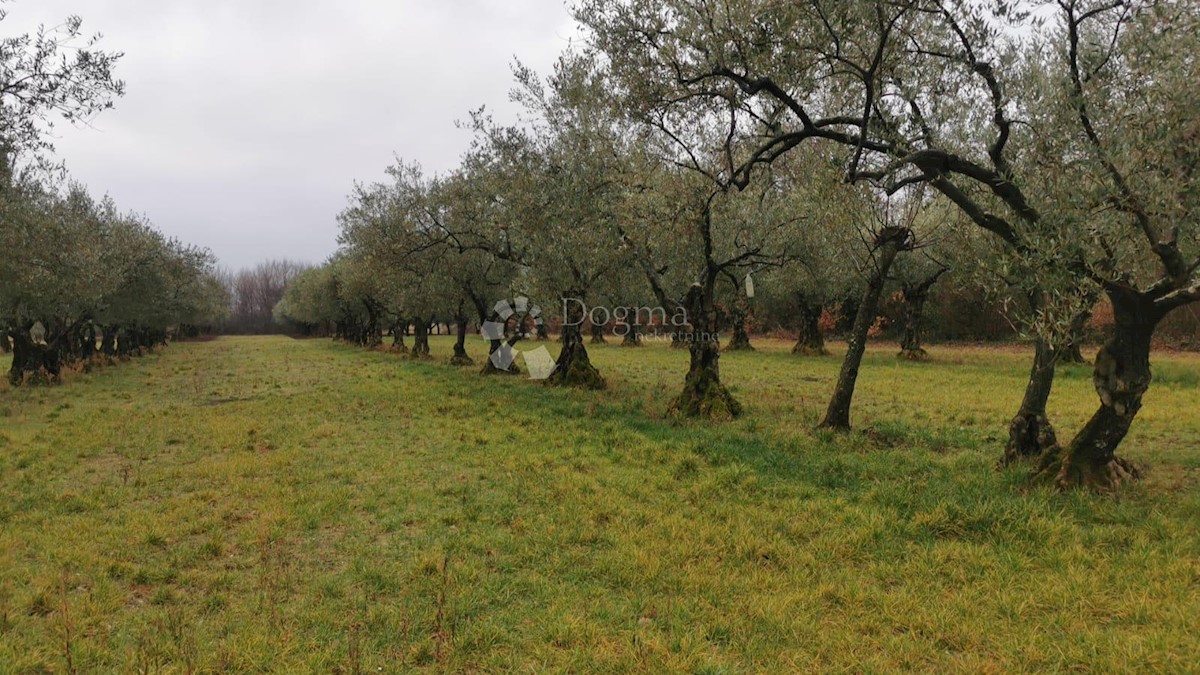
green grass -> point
(279, 505)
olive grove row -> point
(687, 144)
(80, 280)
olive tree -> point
(1046, 131)
(59, 72)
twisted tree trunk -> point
(703, 394)
(632, 336)
(372, 332)
(24, 361)
(398, 329)
(501, 350)
(887, 245)
(420, 348)
(915, 295)
(810, 342)
(32, 362)
(1030, 434)
(574, 366)
(1121, 376)
(460, 357)
(598, 334)
(740, 339)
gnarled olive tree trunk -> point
(496, 345)
(574, 367)
(887, 245)
(810, 341)
(1030, 433)
(914, 296)
(1121, 376)
(420, 347)
(24, 358)
(632, 336)
(703, 394)
(372, 331)
(598, 334)
(398, 330)
(460, 357)
(32, 362)
(739, 339)
(108, 341)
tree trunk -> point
(1071, 353)
(888, 244)
(914, 295)
(574, 367)
(703, 394)
(398, 331)
(810, 342)
(461, 358)
(740, 340)
(108, 341)
(88, 347)
(371, 332)
(910, 338)
(1030, 434)
(597, 335)
(632, 336)
(124, 343)
(1121, 375)
(500, 346)
(420, 348)
(32, 363)
(22, 357)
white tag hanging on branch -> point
(749, 286)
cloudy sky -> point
(246, 122)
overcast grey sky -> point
(246, 122)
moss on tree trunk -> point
(574, 368)
(703, 394)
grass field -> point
(278, 505)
